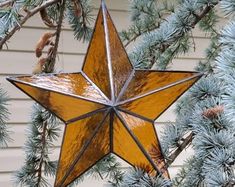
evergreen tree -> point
(205, 115)
(4, 113)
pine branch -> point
(222, 161)
(43, 131)
(182, 46)
(137, 35)
(210, 120)
(4, 114)
(212, 113)
(198, 17)
(146, 16)
(140, 34)
(190, 174)
(108, 169)
(79, 19)
(22, 22)
(153, 43)
(137, 177)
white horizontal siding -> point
(20, 59)
(68, 44)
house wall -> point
(19, 58)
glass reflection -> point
(74, 84)
(63, 106)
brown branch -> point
(230, 184)
(176, 153)
(6, 3)
(100, 175)
(39, 170)
(29, 15)
(50, 69)
(198, 17)
(51, 63)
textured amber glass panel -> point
(146, 134)
(98, 148)
(74, 84)
(65, 107)
(145, 81)
(75, 137)
(121, 65)
(153, 105)
(125, 147)
(96, 65)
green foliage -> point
(30, 4)
(213, 161)
(190, 174)
(146, 16)
(171, 31)
(208, 23)
(4, 114)
(53, 12)
(138, 178)
(108, 169)
(41, 134)
(9, 17)
(228, 6)
(211, 53)
(81, 24)
(180, 46)
(224, 158)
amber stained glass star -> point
(108, 107)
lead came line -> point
(124, 88)
(160, 89)
(93, 84)
(140, 146)
(108, 52)
(84, 149)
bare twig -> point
(176, 153)
(29, 14)
(52, 59)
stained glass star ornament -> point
(108, 107)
